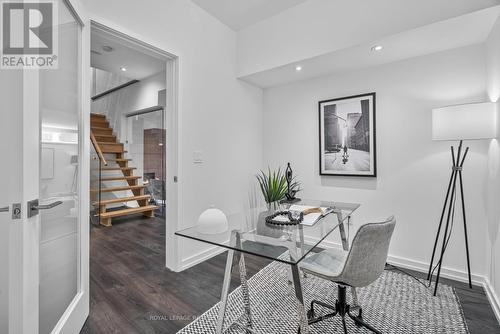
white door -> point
(44, 288)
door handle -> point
(47, 206)
(4, 209)
(34, 207)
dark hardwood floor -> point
(132, 292)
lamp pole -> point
(472, 121)
(457, 166)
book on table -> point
(312, 214)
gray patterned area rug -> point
(395, 303)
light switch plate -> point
(198, 157)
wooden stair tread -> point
(97, 115)
(118, 178)
(111, 147)
(119, 160)
(124, 212)
(100, 128)
(107, 143)
(118, 168)
(107, 140)
(123, 199)
(99, 132)
(107, 151)
(106, 136)
(119, 188)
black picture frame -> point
(344, 152)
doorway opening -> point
(133, 175)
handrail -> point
(98, 148)
(114, 89)
(144, 111)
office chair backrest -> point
(368, 254)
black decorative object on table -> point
(294, 218)
(292, 187)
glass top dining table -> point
(248, 232)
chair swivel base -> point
(341, 308)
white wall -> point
(493, 176)
(317, 27)
(413, 170)
(219, 115)
(138, 96)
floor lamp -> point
(458, 123)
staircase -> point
(119, 185)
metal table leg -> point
(293, 250)
(345, 242)
(225, 286)
(244, 287)
(303, 324)
(302, 243)
(236, 241)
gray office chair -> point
(359, 267)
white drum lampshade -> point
(465, 122)
(212, 221)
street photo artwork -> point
(347, 136)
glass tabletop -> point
(248, 232)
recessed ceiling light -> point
(107, 48)
(377, 48)
(123, 69)
(298, 68)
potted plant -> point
(274, 187)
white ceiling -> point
(238, 14)
(139, 64)
(472, 28)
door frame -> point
(172, 126)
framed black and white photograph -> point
(347, 136)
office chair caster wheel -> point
(311, 314)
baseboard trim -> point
(407, 263)
(492, 297)
(450, 273)
(201, 257)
